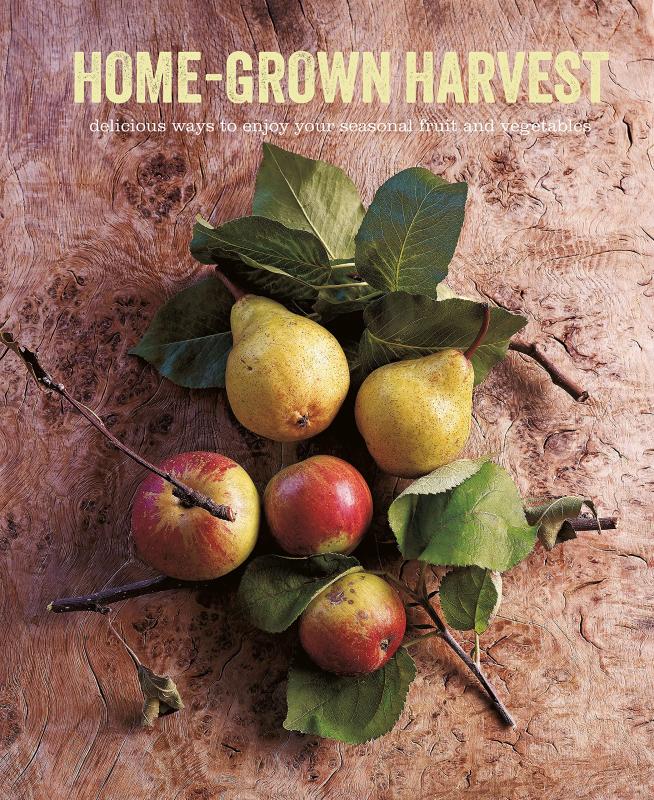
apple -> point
(354, 626)
(320, 505)
(190, 543)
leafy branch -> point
(421, 598)
(185, 494)
(101, 600)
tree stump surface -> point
(95, 231)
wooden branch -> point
(591, 524)
(422, 600)
(559, 378)
(188, 496)
(100, 601)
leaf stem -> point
(421, 587)
(418, 639)
(184, 493)
(342, 285)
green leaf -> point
(470, 597)
(344, 295)
(189, 339)
(351, 710)
(160, 695)
(311, 196)
(444, 478)
(294, 255)
(275, 590)
(551, 517)
(409, 233)
(201, 246)
(479, 521)
(401, 325)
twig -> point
(423, 602)
(452, 643)
(593, 524)
(99, 601)
(188, 496)
(559, 378)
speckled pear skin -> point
(415, 415)
(286, 376)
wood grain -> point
(94, 232)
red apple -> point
(321, 505)
(190, 543)
(354, 626)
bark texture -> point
(95, 232)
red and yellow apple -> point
(320, 505)
(190, 543)
(354, 626)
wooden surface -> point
(94, 233)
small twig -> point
(593, 524)
(452, 643)
(99, 601)
(441, 630)
(559, 378)
(188, 496)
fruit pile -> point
(315, 299)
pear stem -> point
(483, 330)
(185, 493)
(232, 288)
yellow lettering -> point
(425, 77)
(185, 76)
(450, 81)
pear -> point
(415, 415)
(286, 376)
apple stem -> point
(185, 493)
(479, 338)
(232, 288)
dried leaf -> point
(160, 695)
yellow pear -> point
(286, 376)
(415, 415)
